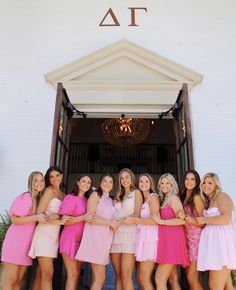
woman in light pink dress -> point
(172, 247)
(46, 236)
(147, 232)
(98, 234)
(193, 207)
(74, 205)
(217, 248)
(18, 238)
(128, 202)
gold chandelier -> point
(125, 131)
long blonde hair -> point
(121, 192)
(218, 188)
(35, 195)
(174, 187)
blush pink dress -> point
(18, 238)
(192, 234)
(46, 236)
(217, 247)
(147, 237)
(72, 234)
(172, 247)
(96, 241)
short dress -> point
(217, 247)
(172, 247)
(96, 241)
(18, 238)
(124, 240)
(72, 234)
(147, 236)
(192, 234)
(46, 236)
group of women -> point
(191, 226)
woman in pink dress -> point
(98, 234)
(172, 247)
(217, 248)
(193, 207)
(46, 236)
(74, 205)
(147, 232)
(128, 202)
(18, 238)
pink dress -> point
(124, 240)
(46, 236)
(72, 234)
(192, 234)
(217, 247)
(96, 241)
(18, 238)
(147, 237)
(172, 247)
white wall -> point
(39, 36)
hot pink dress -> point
(46, 236)
(18, 238)
(217, 247)
(72, 234)
(172, 247)
(96, 241)
(147, 237)
(192, 234)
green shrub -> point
(233, 276)
(5, 222)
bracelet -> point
(184, 218)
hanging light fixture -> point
(125, 131)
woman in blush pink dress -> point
(97, 237)
(193, 207)
(46, 236)
(172, 247)
(75, 206)
(147, 232)
(217, 247)
(18, 238)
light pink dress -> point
(46, 236)
(96, 241)
(147, 237)
(18, 238)
(124, 240)
(217, 247)
(72, 234)
(192, 234)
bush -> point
(5, 222)
(233, 276)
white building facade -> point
(168, 42)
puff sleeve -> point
(22, 205)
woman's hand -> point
(114, 225)
(129, 221)
(52, 217)
(89, 217)
(190, 220)
(65, 218)
(181, 215)
(157, 219)
(41, 218)
(201, 220)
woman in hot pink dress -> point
(97, 237)
(74, 205)
(217, 248)
(172, 248)
(18, 238)
(193, 207)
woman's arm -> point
(88, 217)
(225, 206)
(44, 200)
(138, 203)
(28, 219)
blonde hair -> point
(121, 192)
(218, 188)
(35, 195)
(174, 186)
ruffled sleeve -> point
(68, 205)
(22, 205)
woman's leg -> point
(144, 275)
(46, 269)
(218, 279)
(98, 276)
(127, 267)
(73, 268)
(12, 273)
(193, 276)
(37, 279)
(162, 275)
(174, 279)
(116, 263)
(229, 284)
